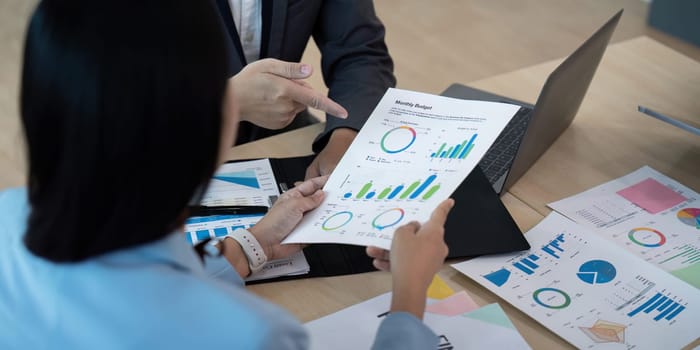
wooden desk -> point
(608, 139)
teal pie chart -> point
(596, 272)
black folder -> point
(479, 224)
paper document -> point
(355, 327)
(649, 215)
(412, 153)
(589, 291)
(242, 183)
(200, 228)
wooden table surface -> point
(608, 139)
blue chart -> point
(552, 247)
(195, 236)
(499, 277)
(412, 191)
(458, 151)
(596, 272)
(244, 178)
(527, 265)
(667, 308)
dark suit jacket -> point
(355, 62)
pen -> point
(667, 119)
(201, 210)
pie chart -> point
(596, 272)
(690, 217)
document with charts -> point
(412, 153)
(589, 291)
(457, 325)
(649, 215)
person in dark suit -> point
(269, 38)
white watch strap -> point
(251, 248)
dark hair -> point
(121, 104)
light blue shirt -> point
(154, 296)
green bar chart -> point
(419, 189)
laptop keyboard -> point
(499, 157)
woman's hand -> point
(284, 216)
(417, 253)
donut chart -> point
(551, 298)
(646, 237)
(337, 220)
(398, 139)
(388, 218)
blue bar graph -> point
(423, 186)
(220, 232)
(522, 268)
(458, 151)
(202, 235)
(527, 264)
(396, 191)
(417, 189)
(553, 246)
(667, 307)
(468, 147)
(674, 313)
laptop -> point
(534, 128)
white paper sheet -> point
(242, 183)
(589, 291)
(355, 328)
(412, 153)
(199, 228)
(669, 239)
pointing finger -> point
(315, 99)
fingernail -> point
(305, 69)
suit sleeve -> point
(355, 61)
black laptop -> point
(534, 128)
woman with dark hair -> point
(124, 113)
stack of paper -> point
(648, 214)
(591, 292)
(250, 183)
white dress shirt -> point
(247, 15)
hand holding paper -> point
(411, 154)
(285, 215)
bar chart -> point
(419, 189)
(666, 307)
(554, 246)
(527, 265)
(458, 151)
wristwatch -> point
(249, 244)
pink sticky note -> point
(652, 195)
(456, 304)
